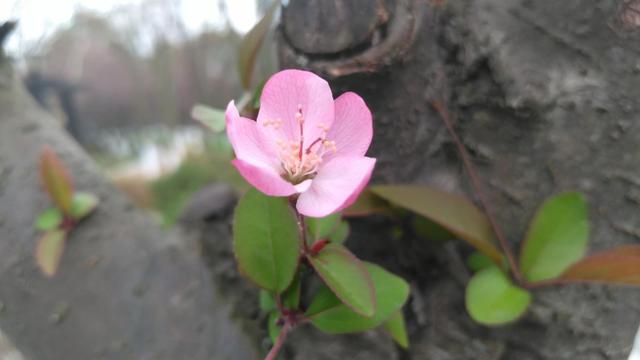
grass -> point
(172, 192)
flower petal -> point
(248, 143)
(352, 128)
(303, 186)
(282, 95)
(264, 179)
(337, 185)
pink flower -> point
(304, 142)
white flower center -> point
(300, 164)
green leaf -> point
(250, 45)
(266, 240)
(49, 219)
(273, 327)
(347, 277)
(291, 296)
(452, 212)
(83, 204)
(366, 204)
(324, 300)
(321, 228)
(212, 118)
(341, 233)
(397, 329)
(492, 299)
(620, 265)
(49, 251)
(478, 261)
(56, 180)
(267, 303)
(328, 314)
(330, 227)
(557, 237)
(430, 230)
(257, 93)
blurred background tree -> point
(545, 96)
(124, 77)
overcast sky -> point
(40, 18)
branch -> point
(478, 188)
(279, 341)
(6, 29)
(302, 227)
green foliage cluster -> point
(275, 248)
(552, 251)
(70, 207)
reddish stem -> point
(302, 230)
(279, 341)
(68, 223)
(551, 282)
(279, 304)
(317, 246)
(477, 185)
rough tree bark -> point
(124, 290)
(546, 96)
(546, 99)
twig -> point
(477, 186)
(291, 318)
(302, 227)
(279, 341)
(5, 29)
(303, 232)
(279, 303)
(551, 282)
(244, 101)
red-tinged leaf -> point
(366, 204)
(617, 266)
(56, 180)
(251, 44)
(347, 278)
(49, 251)
(454, 213)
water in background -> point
(149, 153)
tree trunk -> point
(546, 97)
(124, 290)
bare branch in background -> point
(5, 30)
